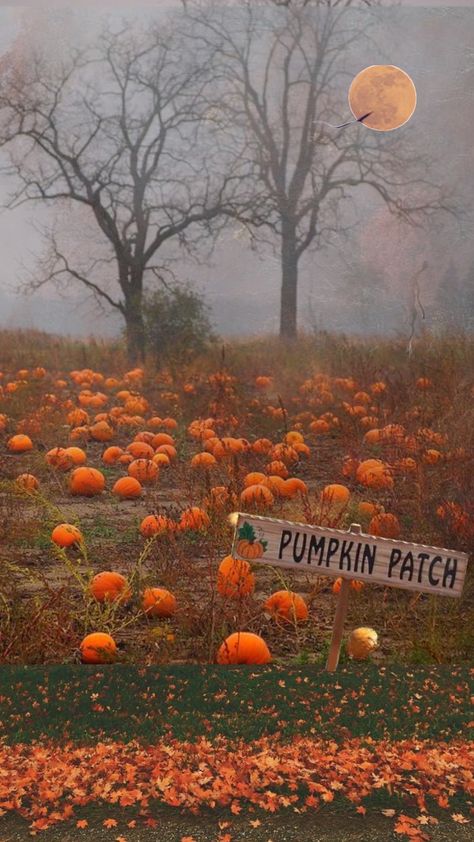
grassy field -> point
(329, 394)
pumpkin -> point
(278, 468)
(244, 648)
(144, 470)
(156, 525)
(127, 488)
(286, 605)
(111, 455)
(367, 509)
(110, 587)
(220, 496)
(76, 455)
(170, 423)
(362, 642)
(162, 460)
(234, 578)
(254, 478)
(263, 382)
(194, 518)
(293, 486)
(20, 443)
(141, 450)
(86, 482)
(144, 436)
(262, 446)
(385, 525)
(162, 438)
(158, 602)
(65, 535)
(167, 449)
(294, 437)
(374, 473)
(203, 460)
(335, 496)
(98, 648)
(27, 482)
(276, 484)
(58, 458)
(257, 494)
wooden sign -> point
(348, 555)
(333, 552)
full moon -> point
(386, 91)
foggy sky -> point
(432, 42)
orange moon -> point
(385, 90)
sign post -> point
(348, 555)
(340, 616)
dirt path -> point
(327, 826)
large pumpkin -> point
(20, 443)
(385, 525)
(156, 525)
(234, 578)
(144, 470)
(158, 602)
(87, 482)
(286, 605)
(109, 586)
(244, 648)
(66, 534)
(98, 648)
(194, 518)
(127, 488)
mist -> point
(357, 284)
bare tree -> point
(118, 129)
(283, 71)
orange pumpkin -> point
(244, 648)
(76, 455)
(110, 587)
(203, 461)
(162, 438)
(156, 525)
(87, 482)
(234, 578)
(258, 494)
(294, 486)
(141, 450)
(194, 518)
(20, 443)
(335, 495)
(127, 488)
(98, 648)
(111, 455)
(286, 605)
(66, 534)
(101, 431)
(58, 458)
(385, 525)
(158, 602)
(77, 417)
(144, 470)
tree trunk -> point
(289, 283)
(135, 328)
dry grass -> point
(47, 590)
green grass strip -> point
(118, 702)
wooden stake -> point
(340, 616)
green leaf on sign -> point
(247, 533)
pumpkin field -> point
(118, 494)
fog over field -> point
(344, 286)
